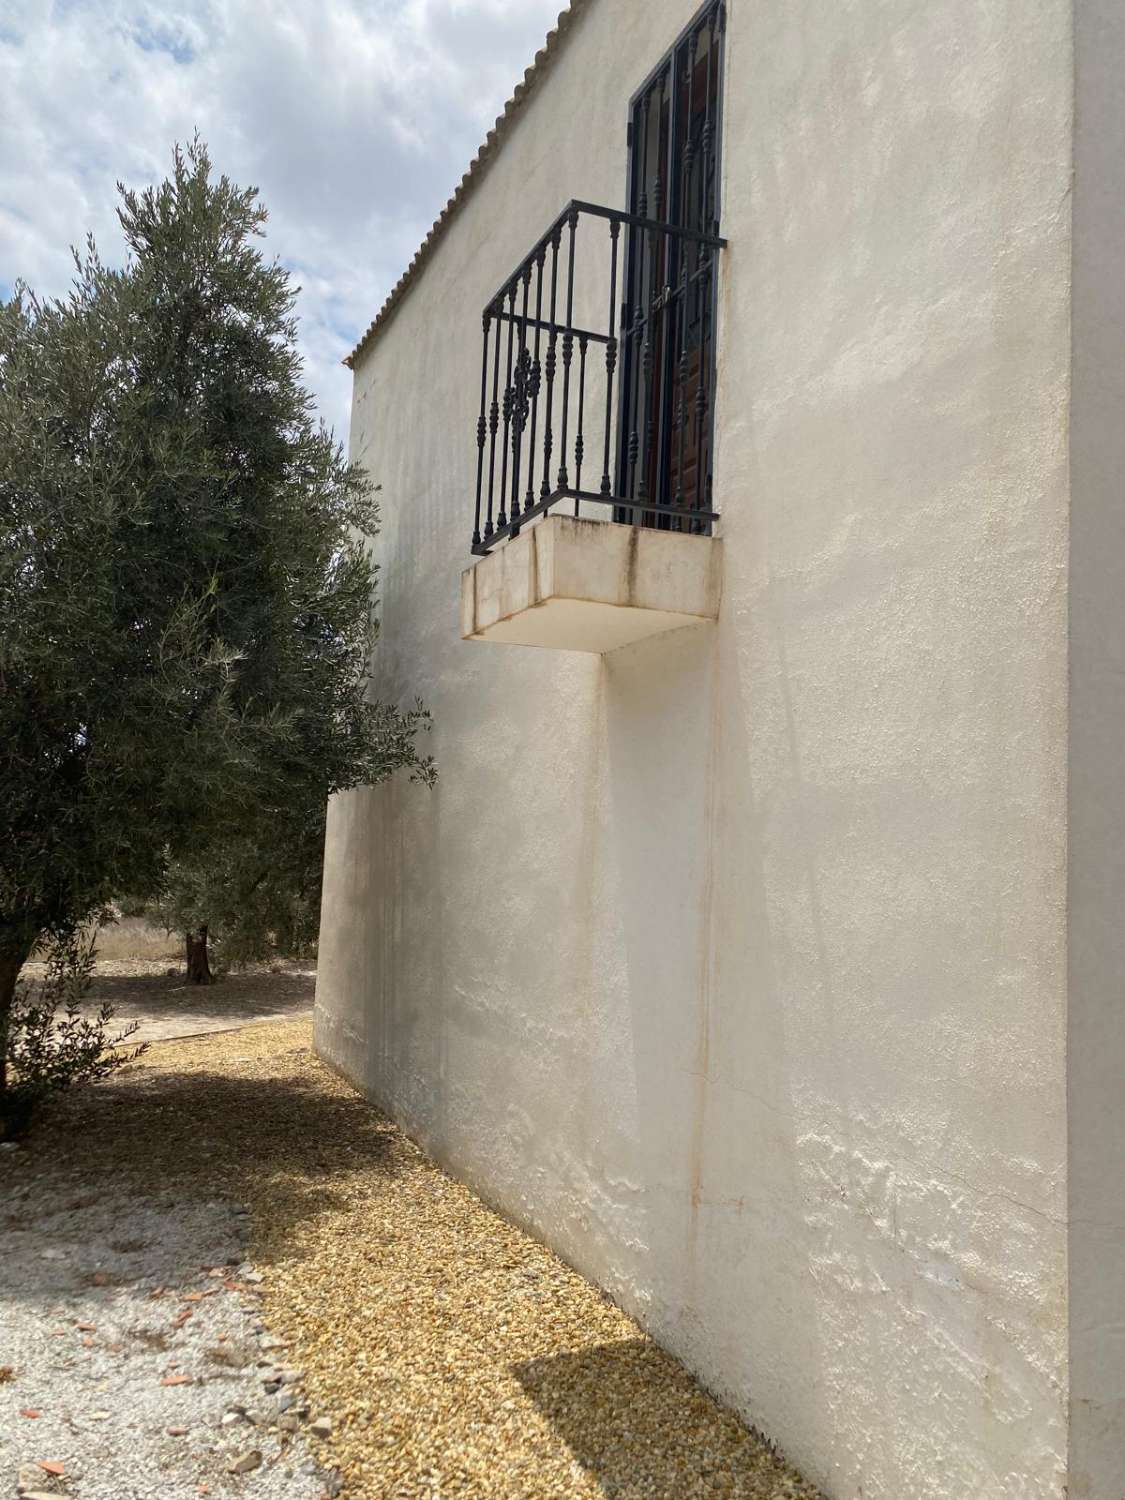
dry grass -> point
(456, 1355)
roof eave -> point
(532, 77)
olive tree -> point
(186, 583)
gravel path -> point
(453, 1355)
(132, 1347)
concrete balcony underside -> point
(580, 585)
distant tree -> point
(185, 588)
(255, 886)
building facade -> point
(760, 947)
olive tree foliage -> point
(256, 883)
(185, 582)
(257, 891)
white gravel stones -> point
(126, 1332)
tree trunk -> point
(11, 962)
(198, 968)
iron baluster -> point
(657, 180)
(493, 422)
(502, 519)
(519, 400)
(636, 334)
(646, 367)
(701, 393)
(681, 383)
(535, 380)
(640, 334)
(567, 349)
(552, 346)
(610, 349)
(689, 138)
(642, 201)
(705, 140)
(481, 424)
(579, 441)
(660, 415)
(683, 311)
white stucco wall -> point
(734, 963)
(1096, 846)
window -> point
(668, 317)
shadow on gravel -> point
(200, 1135)
(640, 1425)
(166, 1005)
(228, 993)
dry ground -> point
(456, 1356)
(166, 1006)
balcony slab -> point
(573, 584)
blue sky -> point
(355, 118)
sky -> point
(355, 118)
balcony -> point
(596, 396)
(582, 585)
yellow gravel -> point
(455, 1355)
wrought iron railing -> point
(597, 375)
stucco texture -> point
(1096, 828)
(733, 963)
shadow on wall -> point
(406, 1026)
(794, 903)
(635, 1419)
(716, 1134)
(384, 898)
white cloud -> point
(355, 118)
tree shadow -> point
(282, 1144)
(160, 1000)
(640, 1425)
